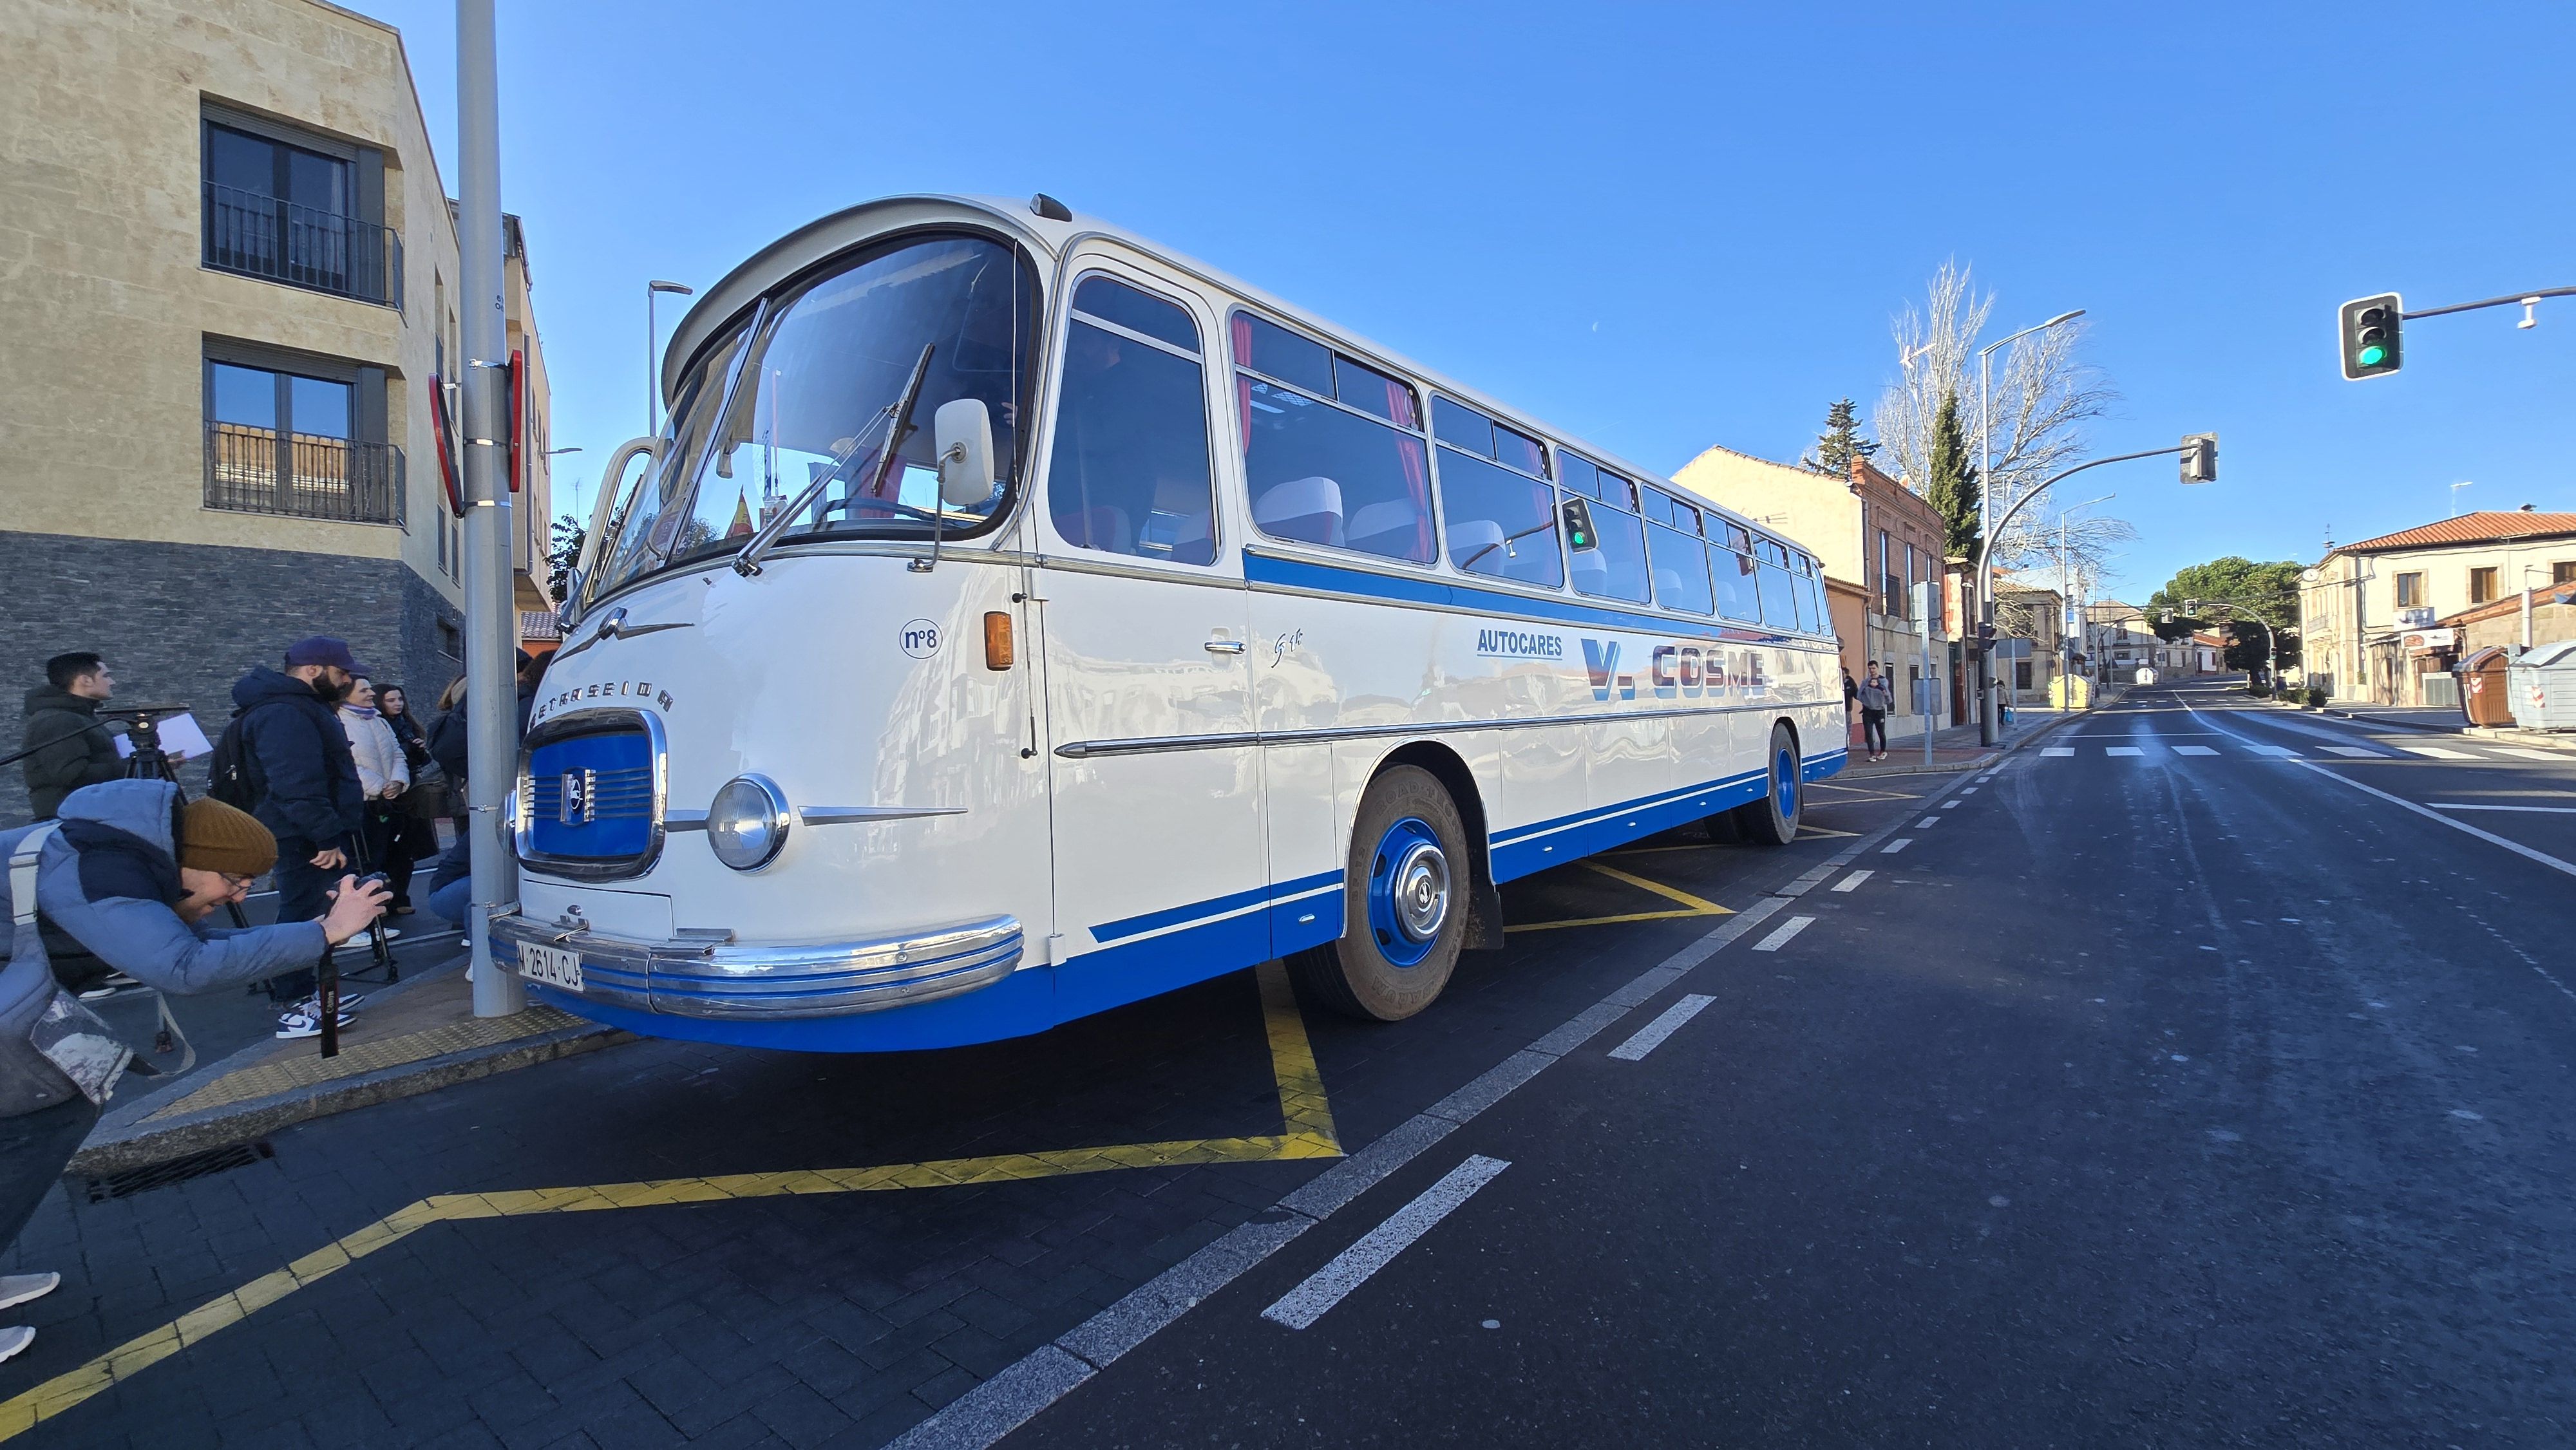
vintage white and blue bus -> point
(1017, 619)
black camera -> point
(375, 878)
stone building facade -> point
(2368, 610)
(232, 277)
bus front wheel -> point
(1404, 903)
(1772, 820)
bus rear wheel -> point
(1772, 820)
(1404, 903)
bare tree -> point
(2043, 395)
(1935, 346)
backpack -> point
(234, 774)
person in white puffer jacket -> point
(383, 775)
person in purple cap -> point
(304, 787)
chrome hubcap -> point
(1421, 891)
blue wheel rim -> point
(1784, 783)
(1407, 856)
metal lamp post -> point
(653, 353)
(1986, 524)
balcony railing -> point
(261, 471)
(261, 236)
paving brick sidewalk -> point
(412, 1038)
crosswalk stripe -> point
(2283, 751)
(2358, 753)
(2057, 750)
(2193, 750)
(2122, 750)
(2521, 753)
(2436, 752)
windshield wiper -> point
(895, 416)
(1504, 543)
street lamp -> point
(1985, 514)
(2455, 496)
(653, 353)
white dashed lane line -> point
(1652, 1035)
(1782, 937)
(1927, 823)
(1852, 881)
(1899, 844)
(1327, 1286)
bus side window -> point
(1732, 561)
(1332, 450)
(1130, 472)
(1615, 566)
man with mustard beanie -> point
(130, 875)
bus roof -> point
(828, 236)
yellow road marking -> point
(1864, 794)
(1691, 905)
(304, 1070)
(1307, 1117)
(1817, 833)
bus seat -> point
(1467, 536)
(1387, 528)
(1099, 527)
(1591, 573)
(1668, 584)
(1302, 508)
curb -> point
(1961, 767)
(142, 1141)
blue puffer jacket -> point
(308, 781)
(108, 879)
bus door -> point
(1159, 860)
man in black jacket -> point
(69, 748)
(306, 782)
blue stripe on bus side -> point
(1598, 832)
(1173, 916)
(1260, 568)
(1627, 807)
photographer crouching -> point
(130, 874)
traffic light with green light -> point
(2370, 336)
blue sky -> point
(1657, 226)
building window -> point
(2563, 572)
(2482, 585)
(451, 644)
(2410, 591)
(303, 210)
(303, 437)
(2021, 674)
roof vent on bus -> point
(1050, 208)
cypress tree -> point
(1953, 486)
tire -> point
(1773, 819)
(1405, 902)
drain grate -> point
(178, 1170)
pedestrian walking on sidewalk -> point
(1874, 704)
(131, 874)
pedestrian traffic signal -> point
(2371, 345)
(1986, 635)
(2200, 458)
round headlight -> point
(747, 824)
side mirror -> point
(963, 433)
(1578, 526)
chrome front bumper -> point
(713, 977)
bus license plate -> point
(553, 966)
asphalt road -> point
(2160, 1099)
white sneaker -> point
(305, 1020)
(348, 1002)
(116, 982)
(14, 1338)
(17, 1289)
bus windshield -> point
(814, 398)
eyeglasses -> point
(237, 884)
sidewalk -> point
(412, 1038)
(1956, 749)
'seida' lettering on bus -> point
(1520, 644)
(1601, 662)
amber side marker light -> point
(997, 641)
